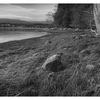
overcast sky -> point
(28, 12)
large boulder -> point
(53, 63)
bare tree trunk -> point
(97, 17)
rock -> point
(85, 54)
(80, 37)
(51, 76)
(77, 37)
(53, 63)
(74, 36)
(90, 67)
(48, 42)
(64, 48)
(76, 29)
(88, 93)
(97, 87)
(85, 35)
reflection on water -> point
(9, 35)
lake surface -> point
(9, 35)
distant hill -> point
(17, 21)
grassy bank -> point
(21, 61)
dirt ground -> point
(21, 73)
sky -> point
(27, 12)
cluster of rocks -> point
(80, 36)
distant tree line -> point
(74, 16)
(31, 25)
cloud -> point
(29, 14)
(16, 17)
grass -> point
(21, 73)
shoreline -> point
(49, 32)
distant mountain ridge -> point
(17, 21)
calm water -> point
(9, 35)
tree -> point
(62, 15)
(58, 16)
(82, 16)
(49, 19)
(97, 17)
(73, 15)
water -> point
(9, 35)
